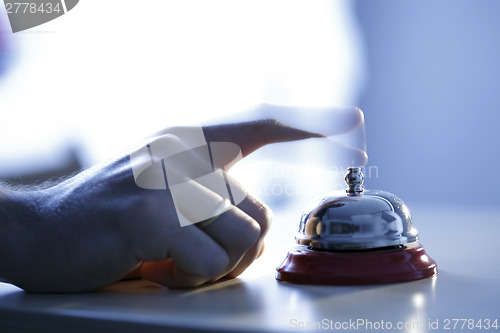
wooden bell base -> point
(408, 263)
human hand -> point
(94, 228)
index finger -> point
(250, 136)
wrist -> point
(15, 214)
(30, 239)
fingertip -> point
(168, 274)
(158, 272)
(360, 116)
(363, 158)
(262, 247)
(135, 273)
(359, 157)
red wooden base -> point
(357, 268)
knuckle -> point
(214, 264)
(266, 220)
(255, 229)
(250, 233)
(263, 215)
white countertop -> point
(462, 240)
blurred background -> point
(87, 85)
(431, 98)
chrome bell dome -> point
(356, 220)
